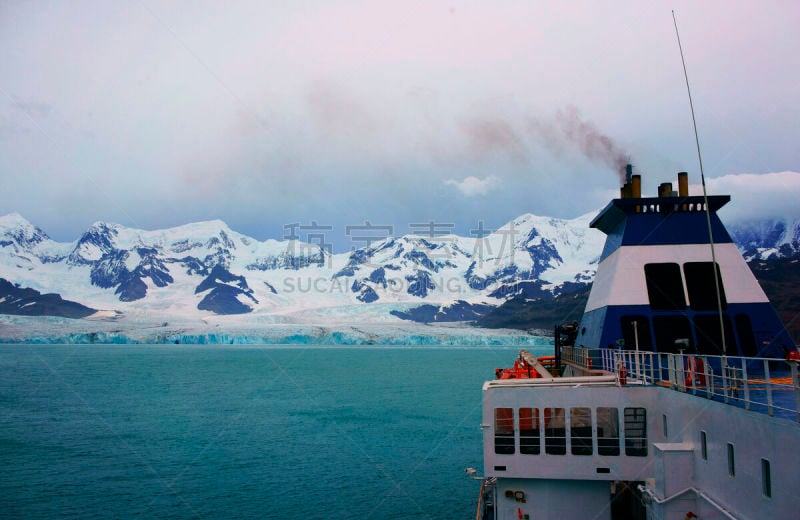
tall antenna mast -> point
(705, 194)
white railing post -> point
(768, 384)
(796, 385)
(638, 366)
(671, 371)
(725, 378)
(746, 383)
(680, 369)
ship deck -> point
(680, 432)
(762, 385)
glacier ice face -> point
(49, 330)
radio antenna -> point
(705, 194)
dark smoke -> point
(494, 135)
(567, 130)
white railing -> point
(650, 494)
(770, 386)
(578, 355)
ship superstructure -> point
(646, 412)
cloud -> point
(757, 196)
(335, 109)
(472, 186)
(308, 111)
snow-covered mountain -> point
(765, 239)
(206, 268)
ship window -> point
(607, 431)
(580, 431)
(766, 479)
(665, 287)
(504, 431)
(636, 432)
(669, 329)
(529, 433)
(636, 334)
(731, 461)
(746, 338)
(703, 445)
(555, 435)
(709, 340)
(701, 288)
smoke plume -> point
(568, 131)
(494, 135)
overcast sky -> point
(153, 114)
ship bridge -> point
(655, 286)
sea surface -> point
(241, 432)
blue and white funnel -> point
(655, 289)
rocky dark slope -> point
(780, 279)
(29, 302)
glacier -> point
(50, 330)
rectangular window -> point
(555, 433)
(580, 431)
(529, 433)
(636, 432)
(746, 337)
(700, 286)
(607, 431)
(673, 333)
(766, 479)
(664, 425)
(636, 332)
(709, 340)
(504, 431)
(703, 446)
(665, 287)
(731, 461)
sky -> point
(334, 116)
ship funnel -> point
(632, 189)
(636, 186)
(683, 184)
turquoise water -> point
(241, 432)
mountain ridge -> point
(205, 268)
